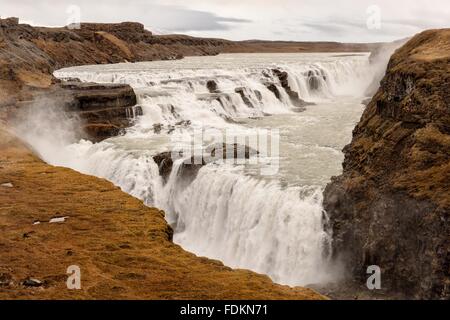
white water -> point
(270, 224)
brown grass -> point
(121, 246)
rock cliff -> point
(106, 109)
(391, 205)
(29, 55)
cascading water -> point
(250, 223)
(271, 224)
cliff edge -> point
(391, 205)
(52, 218)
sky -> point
(301, 20)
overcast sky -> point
(308, 20)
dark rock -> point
(212, 86)
(92, 96)
(313, 82)
(5, 280)
(242, 92)
(293, 96)
(157, 128)
(391, 205)
(30, 282)
(101, 131)
(184, 123)
(165, 163)
(258, 95)
(229, 151)
(27, 234)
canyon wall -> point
(391, 205)
(29, 55)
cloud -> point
(302, 20)
(172, 18)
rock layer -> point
(391, 205)
(106, 109)
(213, 153)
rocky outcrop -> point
(42, 50)
(379, 57)
(29, 55)
(190, 167)
(293, 95)
(283, 79)
(391, 205)
(243, 93)
(122, 247)
(107, 109)
(212, 87)
(104, 110)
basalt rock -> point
(106, 109)
(111, 233)
(314, 81)
(29, 55)
(391, 205)
(242, 92)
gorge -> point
(274, 224)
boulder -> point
(274, 89)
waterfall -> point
(246, 221)
(174, 96)
(249, 223)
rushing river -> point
(270, 223)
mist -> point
(48, 129)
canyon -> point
(389, 207)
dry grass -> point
(121, 246)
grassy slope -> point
(121, 246)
